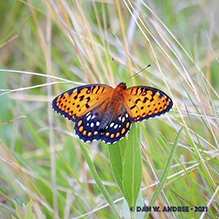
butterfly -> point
(101, 112)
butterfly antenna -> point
(115, 69)
(138, 72)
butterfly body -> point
(101, 112)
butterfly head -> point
(122, 85)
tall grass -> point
(47, 47)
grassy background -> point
(47, 47)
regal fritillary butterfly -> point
(101, 112)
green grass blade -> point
(98, 180)
(165, 173)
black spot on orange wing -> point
(147, 103)
(75, 102)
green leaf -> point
(132, 174)
(116, 153)
(26, 211)
(128, 213)
(126, 162)
(140, 202)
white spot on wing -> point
(112, 124)
(115, 126)
(97, 123)
(88, 118)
